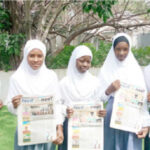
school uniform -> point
(33, 83)
(147, 80)
(77, 87)
(127, 71)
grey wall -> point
(143, 40)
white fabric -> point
(28, 82)
(127, 71)
(147, 77)
(146, 71)
(78, 87)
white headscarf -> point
(76, 86)
(147, 76)
(28, 82)
(127, 71)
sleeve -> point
(104, 97)
(146, 72)
(64, 99)
(146, 116)
(101, 90)
(58, 105)
(12, 91)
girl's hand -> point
(69, 112)
(60, 136)
(102, 113)
(142, 133)
(113, 87)
(16, 101)
(148, 97)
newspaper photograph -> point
(128, 108)
(36, 122)
(85, 128)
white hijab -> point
(28, 82)
(78, 87)
(127, 71)
(147, 76)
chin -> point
(122, 59)
(83, 71)
(35, 68)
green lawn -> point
(7, 129)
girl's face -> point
(121, 50)
(35, 58)
(83, 63)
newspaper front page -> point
(85, 128)
(128, 108)
(36, 123)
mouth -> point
(84, 69)
(36, 66)
(121, 58)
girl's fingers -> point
(59, 140)
(16, 102)
(17, 97)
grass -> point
(7, 129)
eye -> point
(88, 61)
(125, 49)
(81, 60)
(31, 55)
(40, 56)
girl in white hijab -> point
(79, 86)
(120, 65)
(147, 80)
(33, 79)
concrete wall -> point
(143, 40)
(4, 79)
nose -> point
(35, 59)
(121, 52)
(85, 64)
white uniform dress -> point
(31, 83)
(77, 87)
(127, 71)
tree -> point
(66, 20)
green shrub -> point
(61, 60)
(10, 50)
(142, 55)
(10, 44)
(100, 54)
(5, 23)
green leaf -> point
(148, 10)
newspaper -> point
(128, 108)
(36, 123)
(85, 128)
